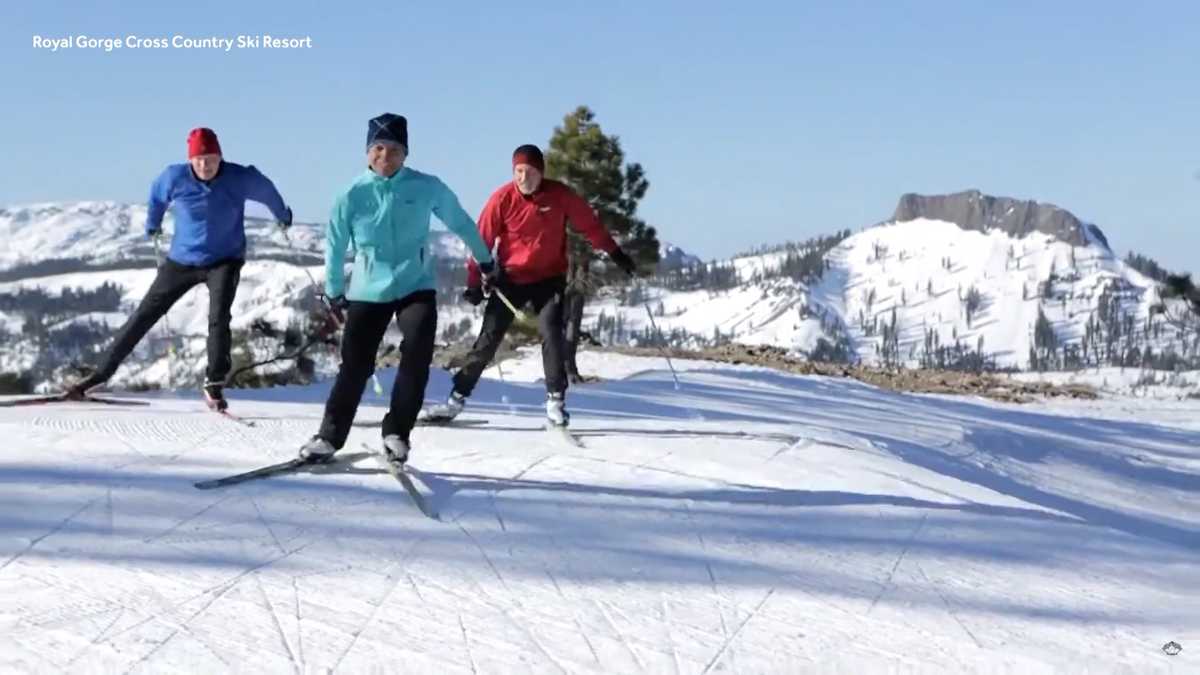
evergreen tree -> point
(593, 164)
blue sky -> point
(757, 122)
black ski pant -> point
(547, 299)
(366, 323)
(171, 282)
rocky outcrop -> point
(973, 210)
(995, 386)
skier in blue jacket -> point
(208, 198)
(384, 216)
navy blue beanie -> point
(389, 128)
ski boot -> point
(446, 412)
(77, 391)
(395, 450)
(214, 396)
(556, 411)
(317, 450)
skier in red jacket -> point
(528, 218)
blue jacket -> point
(386, 221)
(209, 217)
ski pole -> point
(158, 260)
(663, 349)
(518, 314)
(378, 388)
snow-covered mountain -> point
(671, 257)
(952, 274)
(83, 245)
(981, 282)
(108, 234)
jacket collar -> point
(370, 176)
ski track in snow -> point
(802, 524)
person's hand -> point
(156, 236)
(287, 219)
(473, 295)
(338, 307)
(493, 277)
(622, 260)
(1177, 285)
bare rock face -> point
(973, 210)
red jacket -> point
(532, 230)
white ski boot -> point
(395, 450)
(556, 411)
(446, 412)
(317, 450)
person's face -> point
(205, 166)
(385, 158)
(527, 178)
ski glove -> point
(338, 307)
(623, 261)
(287, 219)
(493, 277)
(473, 295)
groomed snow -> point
(750, 521)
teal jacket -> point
(386, 222)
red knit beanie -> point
(203, 141)
(531, 155)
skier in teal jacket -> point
(384, 216)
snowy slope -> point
(107, 232)
(899, 266)
(102, 231)
(749, 522)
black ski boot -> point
(214, 396)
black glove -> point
(473, 295)
(1178, 286)
(1181, 286)
(338, 307)
(493, 277)
(623, 261)
(287, 219)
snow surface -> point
(750, 521)
(1134, 382)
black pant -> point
(171, 282)
(366, 322)
(547, 299)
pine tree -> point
(593, 164)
